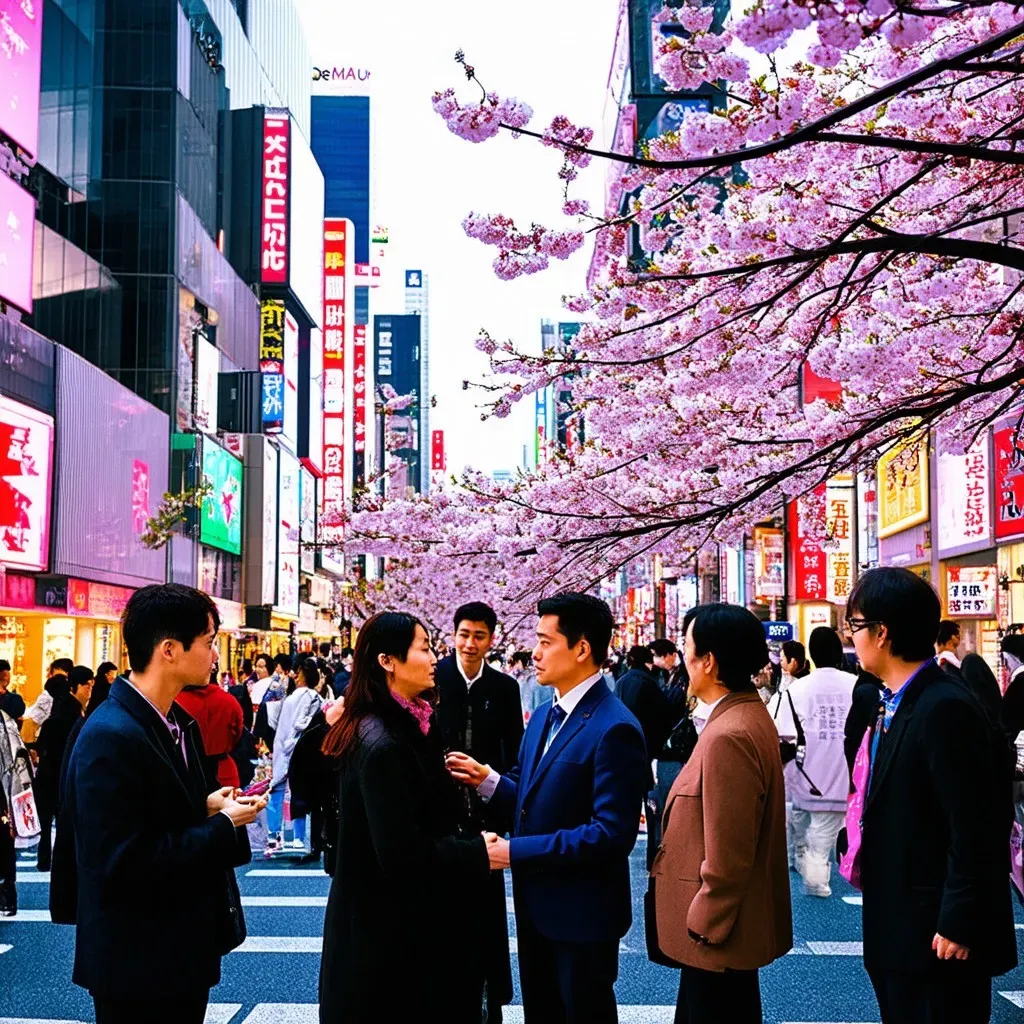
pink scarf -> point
(418, 708)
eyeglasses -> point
(855, 625)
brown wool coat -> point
(722, 870)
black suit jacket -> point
(154, 873)
(640, 692)
(486, 721)
(935, 853)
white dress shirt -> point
(462, 671)
(568, 703)
(702, 712)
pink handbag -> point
(1016, 858)
(849, 862)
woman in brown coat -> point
(722, 876)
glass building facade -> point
(130, 175)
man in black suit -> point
(479, 712)
(938, 923)
(157, 904)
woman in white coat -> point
(297, 711)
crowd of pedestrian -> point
(424, 780)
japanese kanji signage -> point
(821, 539)
(1009, 476)
(903, 487)
(359, 388)
(337, 249)
(809, 562)
(838, 543)
(965, 498)
(971, 591)
(272, 364)
(274, 197)
(26, 468)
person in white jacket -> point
(820, 785)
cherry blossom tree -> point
(855, 215)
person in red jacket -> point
(219, 718)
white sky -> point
(554, 55)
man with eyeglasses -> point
(938, 924)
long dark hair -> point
(368, 693)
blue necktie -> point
(556, 716)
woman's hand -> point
(465, 770)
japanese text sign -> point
(274, 198)
(272, 364)
(1009, 477)
(903, 487)
(965, 498)
(971, 591)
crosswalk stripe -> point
(281, 944)
(284, 901)
(854, 901)
(1017, 998)
(221, 1013)
(5, 948)
(836, 948)
(308, 1013)
(286, 873)
(28, 917)
(28, 877)
(37, 1020)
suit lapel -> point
(581, 714)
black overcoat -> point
(936, 833)
(401, 921)
(154, 895)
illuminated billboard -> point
(17, 241)
(221, 525)
(274, 225)
(21, 50)
(26, 473)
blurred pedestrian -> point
(532, 694)
(938, 923)
(11, 703)
(722, 902)
(813, 717)
(155, 851)
(344, 673)
(263, 669)
(40, 709)
(479, 712)
(220, 723)
(947, 643)
(105, 676)
(404, 868)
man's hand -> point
(465, 770)
(946, 949)
(218, 800)
(333, 713)
(245, 810)
(497, 851)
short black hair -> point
(947, 630)
(1013, 643)
(639, 657)
(905, 604)
(735, 637)
(477, 611)
(826, 648)
(165, 611)
(267, 660)
(522, 657)
(62, 665)
(325, 649)
(5, 665)
(662, 648)
(311, 672)
(283, 662)
(582, 616)
(80, 675)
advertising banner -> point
(359, 389)
(965, 498)
(903, 487)
(21, 52)
(207, 372)
(307, 522)
(221, 525)
(290, 429)
(768, 563)
(274, 234)
(26, 467)
(17, 235)
(838, 542)
(338, 238)
(809, 564)
(971, 591)
(288, 535)
(1009, 477)
(272, 351)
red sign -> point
(337, 244)
(19, 591)
(816, 387)
(437, 460)
(359, 388)
(810, 565)
(274, 195)
(26, 466)
(97, 600)
(1009, 474)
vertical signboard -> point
(288, 534)
(221, 525)
(437, 458)
(359, 397)
(26, 468)
(290, 427)
(809, 562)
(838, 544)
(336, 321)
(274, 226)
(903, 487)
(269, 534)
(207, 369)
(307, 521)
(971, 591)
(21, 51)
(964, 499)
(272, 364)
(1009, 476)
(17, 233)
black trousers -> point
(953, 992)
(712, 997)
(47, 811)
(190, 1009)
(566, 982)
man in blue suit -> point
(573, 803)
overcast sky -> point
(553, 55)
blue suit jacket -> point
(576, 813)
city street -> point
(272, 979)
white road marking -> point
(27, 917)
(286, 873)
(5, 948)
(1017, 998)
(28, 877)
(854, 901)
(281, 944)
(221, 1013)
(284, 901)
(308, 1013)
(836, 948)
(37, 1020)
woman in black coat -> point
(407, 881)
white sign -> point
(207, 372)
(838, 545)
(965, 498)
(971, 591)
(288, 535)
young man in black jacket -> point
(938, 923)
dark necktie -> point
(556, 715)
